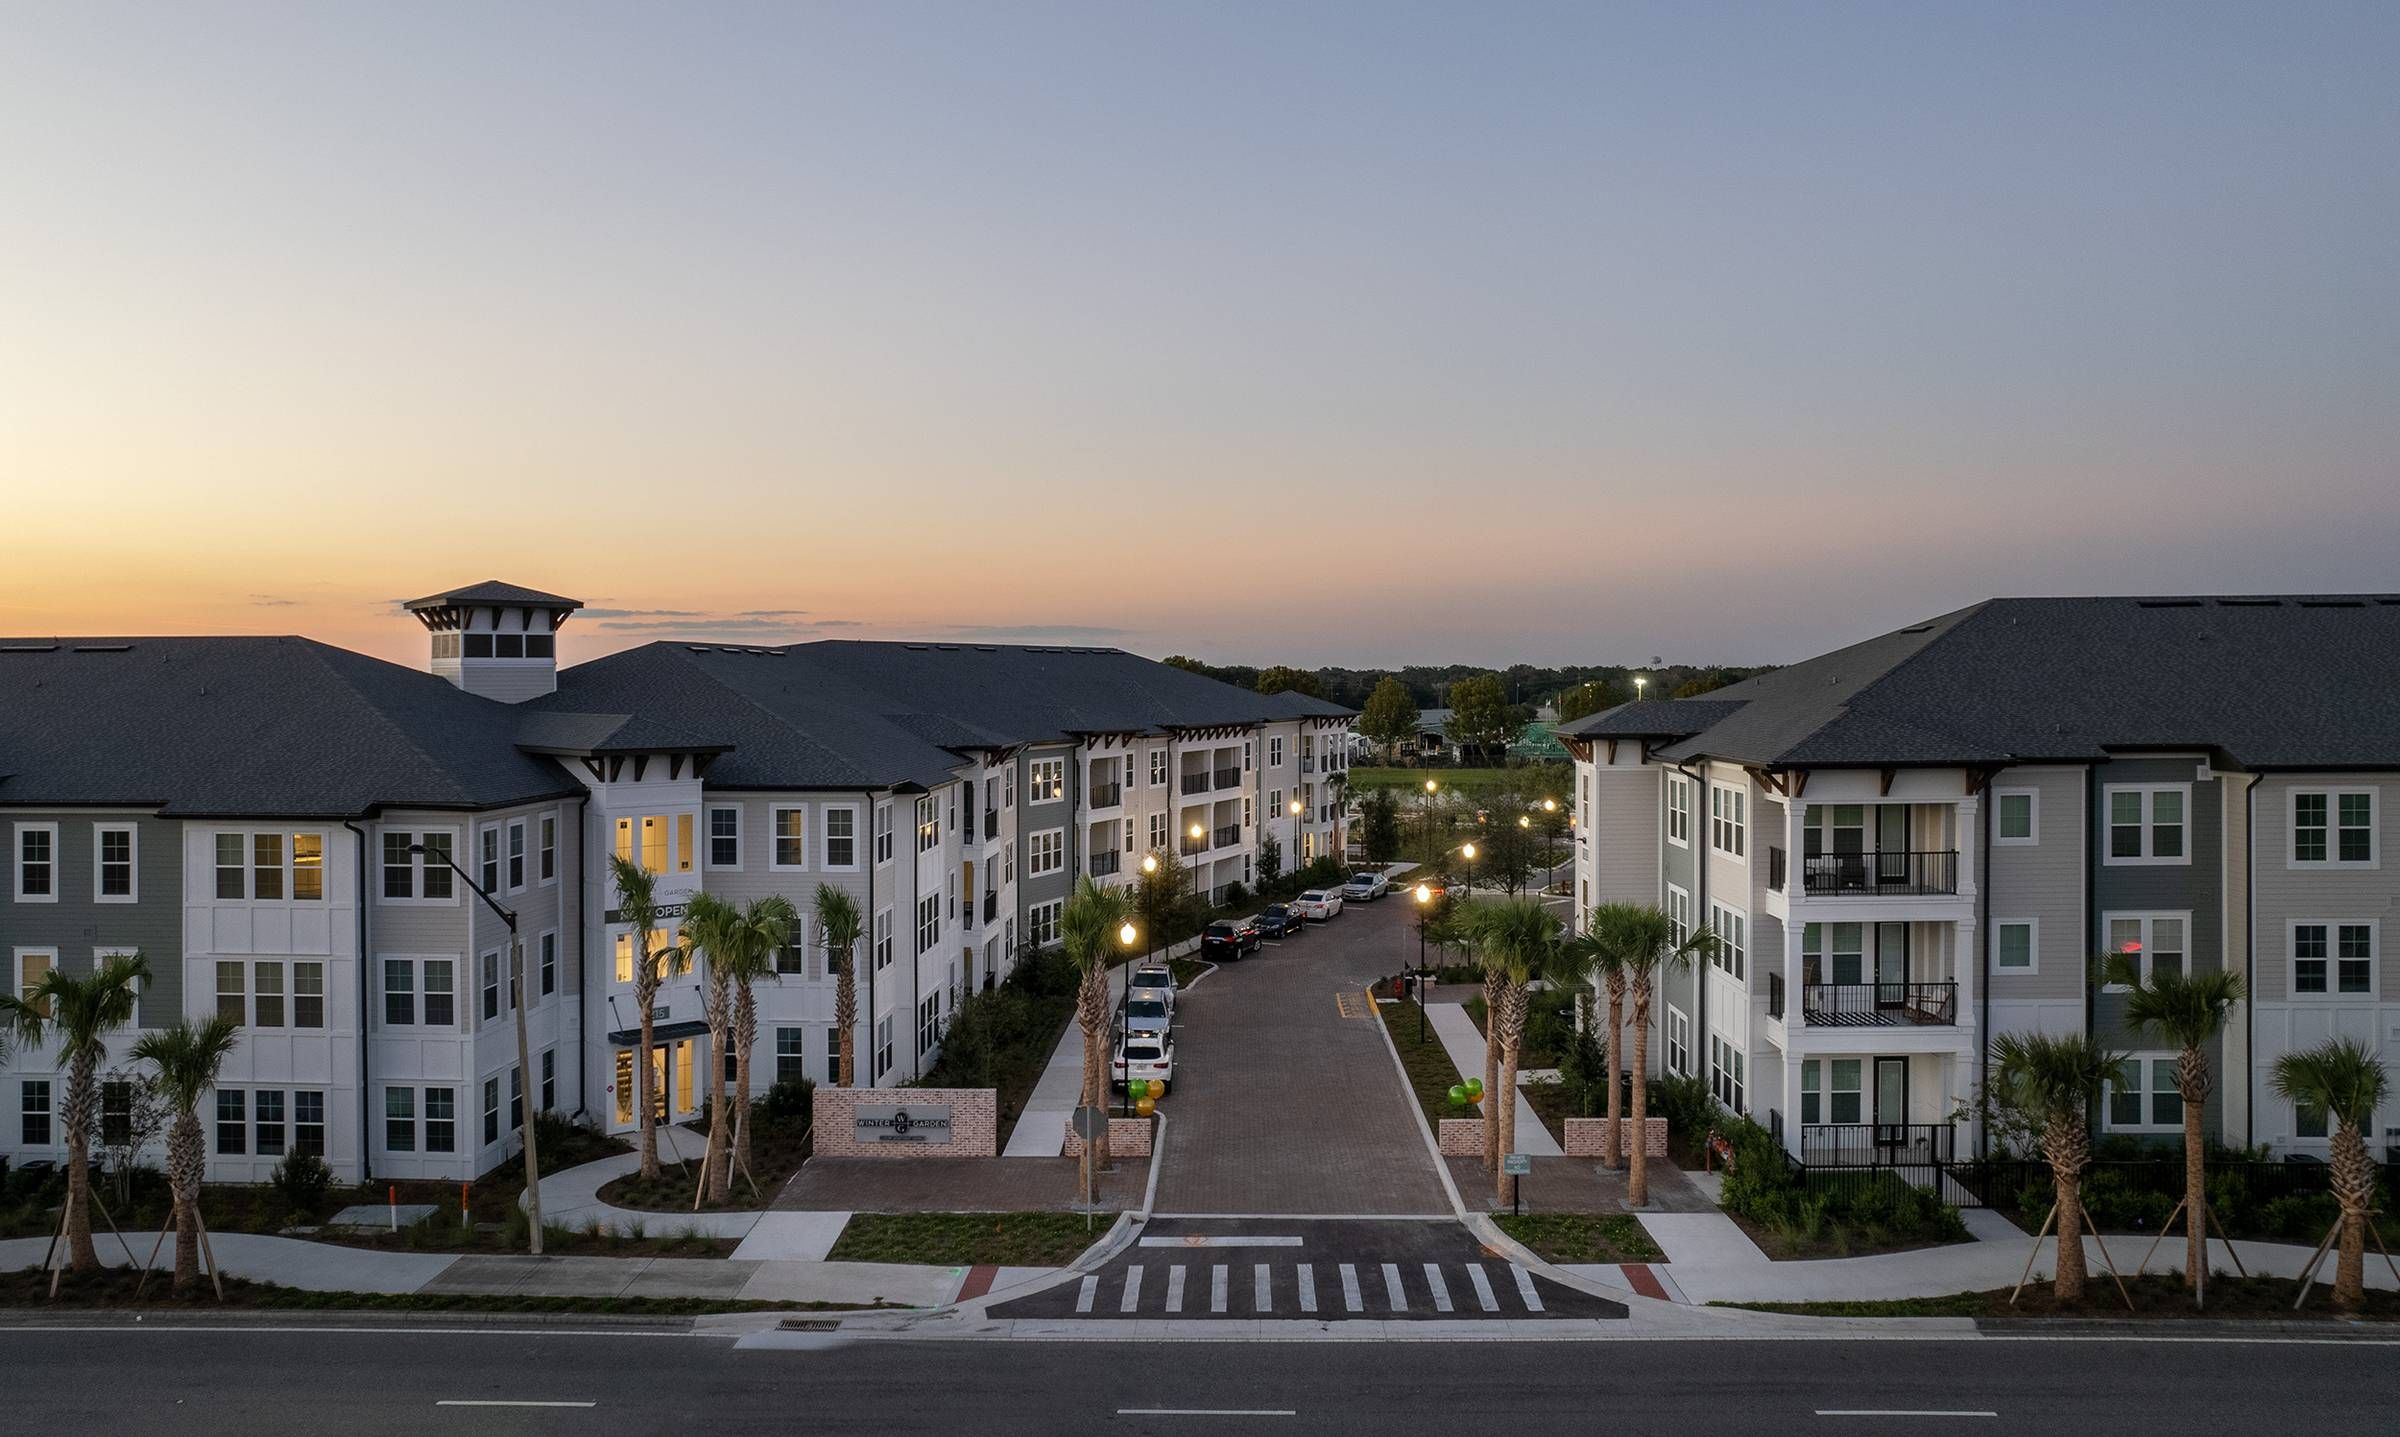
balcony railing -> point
(1189, 846)
(1875, 1145)
(1778, 869)
(1879, 1005)
(1308, 765)
(1873, 875)
(1106, 862)
(1229, 778)
(1774, 995)
(1229, 836)
(1106, 795)
(991, 823)
(1195, 783)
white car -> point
(1150, 1057)
(1148, 1014)
(1319, 904)
(1366, 885)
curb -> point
(1489, 1234)
(1416, 1110)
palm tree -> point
(708, 924)
(765, 929)
(637, 905)
(1643, 938)
(2053, 1081)
(1088, 925)
(1495, 991)
(188, 1058)
(1594, 957)
(1518, 939)
(80, 1013)
(2342, 1079)
(837, 929)
(2189, 1012)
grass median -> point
(2155, 1297)
(29, 1288)
(966, 1239)
(1582, 1237)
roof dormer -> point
(495, 640)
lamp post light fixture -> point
(1125, 936)
(1424, 911)
(525, 1078)
(1198, 835)
(1640, 681)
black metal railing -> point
(1879, 1005)
(1106, 862)
(1871, 875)
(1875, 1145)
(1188, 845)
(1774, 995)
(1778, 869)
(1106, 795)
(1229, 836)
(1229, 777)
(1195, 783)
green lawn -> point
(114, 1287)
(1431, 1074)
(1547, 777)
(963, 1239)
(2266, 1298)
(1583, 1237)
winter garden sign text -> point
(891, 1123)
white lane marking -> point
(1206, 1412)
(1533, 1300)
(1133, 1288)
(1262, 1298)
(1393, 1293)
(1175, 1288)
(1483, 1287)
(1211, 1240)
(1350, 1297)
(1308, 1288)
(1216, 1288)
(1441, 1289)
(1895, 1412)
(1085, 1293)
(496, 1402)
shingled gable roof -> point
(492, 591)
(2270, 681)
(850, 714)
(275, 726)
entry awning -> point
(659, 1033)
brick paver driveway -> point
(1281, 1102)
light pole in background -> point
(1125, 937)
(1424, 913)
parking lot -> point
(1285, 1098)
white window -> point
(1275, 802)
(37, 863)
(2156, 942)
(1725, 1075)
(1679, 810)
(2333, 829)
(1249, 815)
(33, 1109)
(491, 986)
(1045, 852)
(516, 855)
(929, 1022)
(1679, 913)
(549, 848)
(2018, 819)
(2148, 824)
(1679, 1041)
(1041, 923)
(1727, 828)
(271, 867)
(1158, 831)
(488, 866)
(883, 939)
(34, 965)
(1275, 750)
(929, 824)
(1045, 780)
(1832, 1091)
(549, 952)
(883, 1045)
(2333, 959)
(2148, 1101)
(1732, 952)
(1158, 767)
(409, 877)
(883, 833)
(725, 836)
(841, 837)
(791, 837)
(114, 860)
(2016, 945)
(1008, 863)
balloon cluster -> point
(1145, 1093)
(1470, 1091)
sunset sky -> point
(1280, 332)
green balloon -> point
(1474, 1085)
(1138, 1089)
(1458, 1094)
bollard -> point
(465, 1218)
(391, 1195)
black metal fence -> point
(1834, 875)
(2001, 1180)
(1878, 1005)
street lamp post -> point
(1430, 787)
(525, 1076)
(1199, 834)
(1125, 937)
(1424, 911)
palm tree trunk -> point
(642, 1085)
(2354, 1187)
(720, 1138)
(77, 1113)
(184, 1163)
(1637, 1145)
(2191, 1080)
(1511, 1024)
(2066, 1144)
(845, 1023)
(1612, 1147)
(745, 1041)
(1491, 1070)
(1091, 1013)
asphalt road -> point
(256, 1380)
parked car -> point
(1365, 886)
(1154, 975)
(1277, 920)
(1151, 1015)
(1252, 934)
(1224, 941)
(1150, 1058)
(1319, 904)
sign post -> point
(1516, 1165)
(1090, 1123)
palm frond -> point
(2340, 1076)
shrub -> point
(302, 1179)
(1235, 894)
(1583, 1074)
(1687, 1105)
(791, 1100)
(1042, 973)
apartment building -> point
(295, 835)
(1926, 839)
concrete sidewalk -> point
(571, 1199)
(1041, 1130)
(1464, 1043)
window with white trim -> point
(1158, 832)
(1732, 927)
(2333, 828)
(114, 847)
(789, 824)
(2016, 817)
(1045, 852)
(2148, 823)
(516, 855)
(549, 950)
(2333, 959)
(929, 1022)
(883, 939)
(37, 863)
(1728, 825)
(33, 1113)
(2156, 942)
(791, 1055)
(549, 869)
(883, 834)
(1725, 1074)
(725, 836)
(413, 877)
(1833, 1090)
(2147, 1101)
(1275, 750)
(233, 1121)
(406, 981)
(929, 824)
(491, 986)
(1679, 1041)
(1045, 780)
(1158, 767)
(2016, 946)
(841, 837)
(488, 867)
(1679, 810)
(1041, 923)
(883, 1045)
(1679, 913)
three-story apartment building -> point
(1913, 844)
(295, 834)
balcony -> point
(1229, 836)
(1195, 783)
(1229, 778)
(991, 906)
(1307, 764)
(1775, 995)
(1105, 795)
(1191, 847)
(1875, 1145)
(1106, 862)
(1778, 869)
(991, 823)
(1879, 1005)
(1879, 875)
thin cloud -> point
(698, 622)
(770, 613)
(1033, 631)
(272, 601)
(645, 613)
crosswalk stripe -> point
(1483, 1287)
(1133, 1289)
(1175, 1288)
(1085, 1293)
(1533, 1300)
(1350, 1297)
(1308, 1287)
(1392, 1291)
(1261, 1298)
(1441, 1289)
(1216, 1288)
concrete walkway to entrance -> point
(1041, 1130)
(571, 1199)
(1463, 1041)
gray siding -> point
(2041, 882)
(77, 924)
(1626, 836)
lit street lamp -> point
(1424, 911)
(1125, 936)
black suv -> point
(1277, 920)
(1223, 941)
